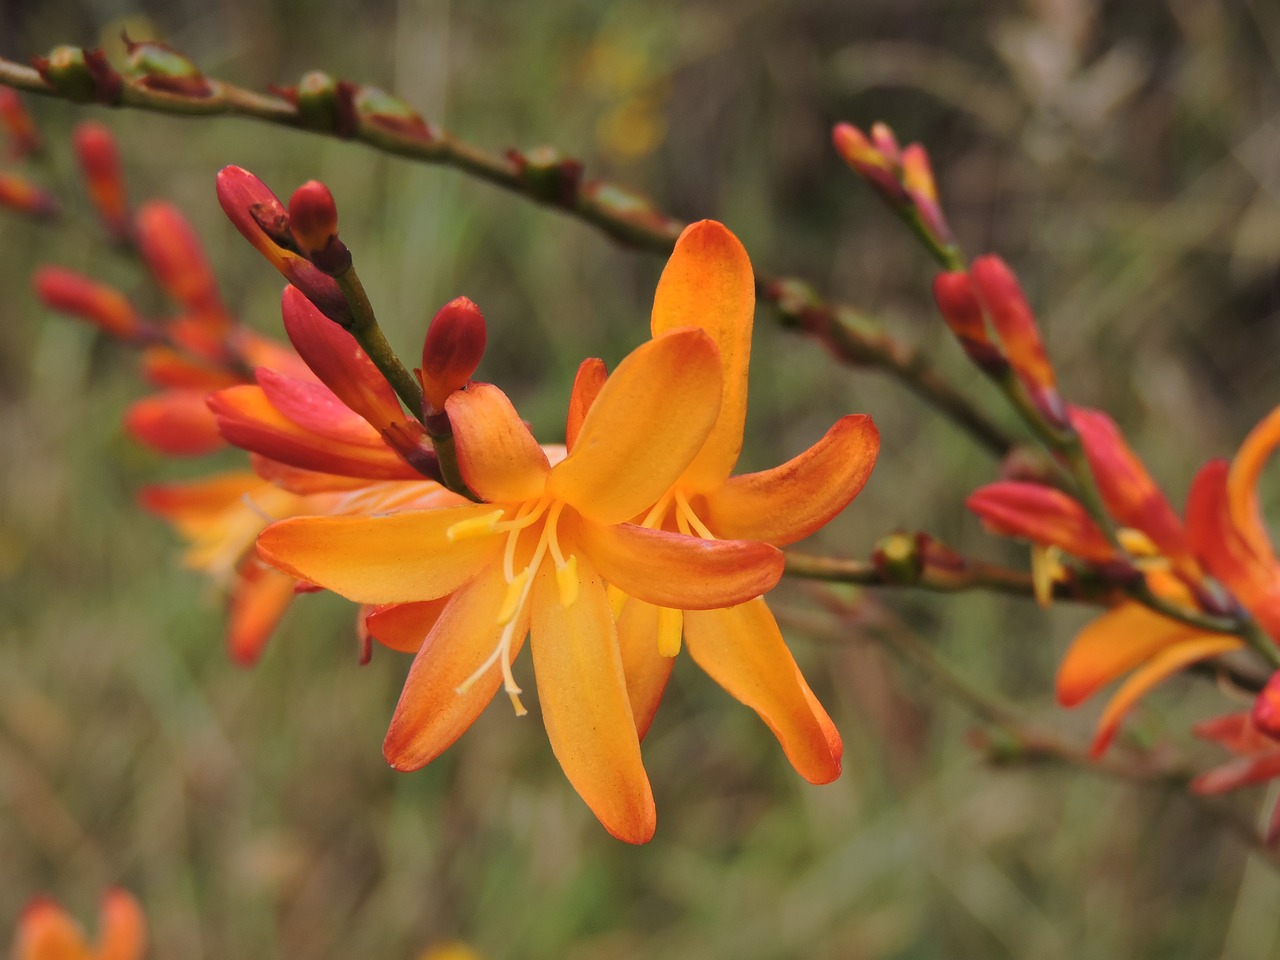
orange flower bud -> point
(177, 423)
(918, 181)
(177, 261)
(960, 307)
(19, 193)
(77, 295)
(99, 159)
(313, 220)
(1005, 304)
(869, 160)
(1266, 709)
(451, 352)
(24, 139)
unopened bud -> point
(869, 158)
(177, 260)
(99, 159)
(897, 558)
(922, 189)
(316, 96)
(451, 352)
(1266, 709)
(960, 307)
(378, 108)
(20, 194)
(313, 220)
(80, 75)
(159, 67)
(550, 176)
(77, 295)
(24, 139)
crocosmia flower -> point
(47, 932)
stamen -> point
(567, 581)
(516, 589)
(617, 600)
(692, 518)
(474, 527)
(1046, 570)
(670, 627)
(659, 510)
(249, 502)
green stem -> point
(373, 341)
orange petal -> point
(175, 422)
(432, 714)
(194, 498)
(47, 932)
(587, 385)
(1242, 481)
(649, 420)
(387, 559)
(258, 602)
(674, 570)
(647, 671)
(497, 455)
(708, 284)
(742, 649)
(585, 707)
(789, 502)
(1112, 645)
(122, 927)
(1164, 664)
(404, 626)
(166, 367)
(340, 363)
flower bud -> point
(313, 220)
(377, 108)
(99, 159)
(24, 139)
(451, 352)
(159, 67)
(77, 295)
(869, 159)
(80, 75)
(20, 194)
(1266, 709)
(177, 260)
(550, 176)
(960, 307)
(897, 558)
(918, 182)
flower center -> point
(539, 516)
(673, 512)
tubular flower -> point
(47, 932)
(533, 559)
(708, 283)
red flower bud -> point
(23, 136)
(451, 352)
(962, 310)
(870, 160)
(99, 158)
(177, 261)
(313, 219)
(19, 193)
(1266, 709)
(77, 295)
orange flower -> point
(47, 932)
(708, 283)
(534, 558)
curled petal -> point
(388, 559)
(498, 456)
(742, 649)
(45, 930)
(432, 712)
(673, 570)
(1162, 665)
(258, 602)
(404, 626)
(587, 385)
(1042, 515)
(1114, 644)
(647, 671)
(585, 706)
(175, 422)
(789, 502)
(1242, 772)
(645, 427)
(708, 284)
(122, 927)
(1242, 482)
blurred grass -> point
(1121, 158)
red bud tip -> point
(1011, 315)
(1266, 709)
(177, 260)
(99, 159)
(960, 307)
(313, 218)
(81, 297)
(451, 352)
(24, 139)
(20, 194)
(869, 158)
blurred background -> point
(1122, 158)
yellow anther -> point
(567, 581)
(617, 600)
(1136, 543)
(1046, 570)
(670, 627)
(515, 596)
(474, 527)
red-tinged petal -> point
(586, 387)
(122, 927)
(451, 351)
(177, 260)
(302, 482)
(1114, 644)
(1128, 491)
(1011, 315)
(789, 502)
(195, 497)
(177, 423)
(497, 455)
(259, 351)
(742, 649)
(1242, 482)
(645, 427)
(1243, 772)
(585, 707)
(646, 670)
(165, 367)
(249, 420)
(1042, 515)
(673, 570)
(257, 603)
(316, 408)
(708, 284)
(47, 932)
(389, 496)
(77, 295)
(1230, 730)
(387, 559)
(404, 626)
(1164, 664)
(339, 362)
(432, 713)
